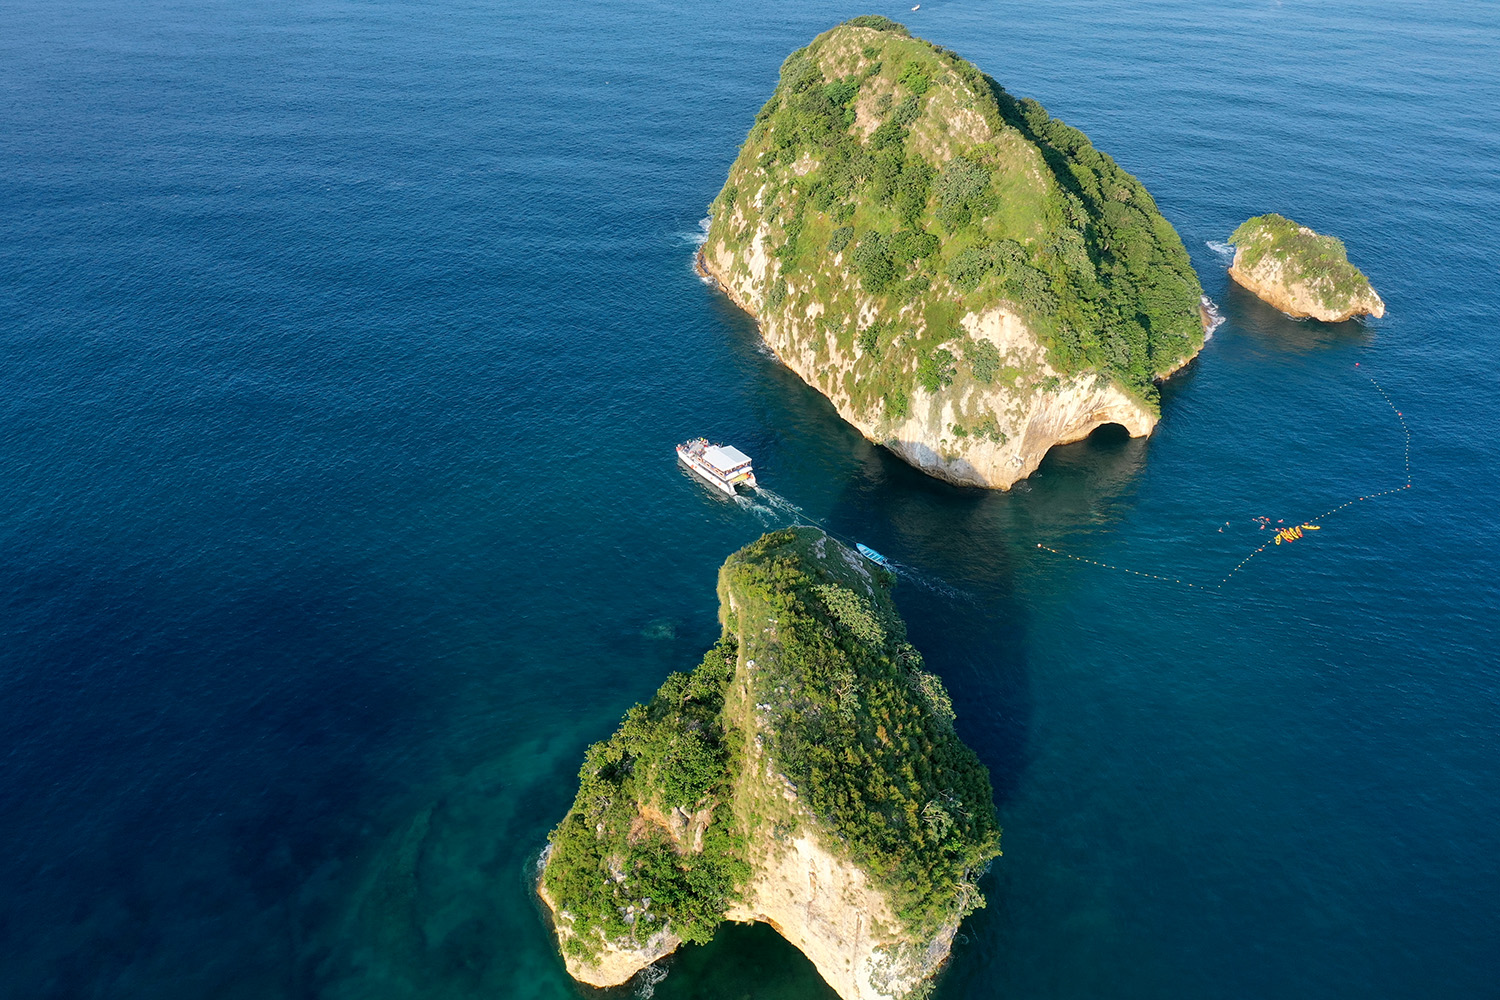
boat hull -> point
(698, 455)
(704, 474)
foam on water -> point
(928, 581)
(698, 236)
(1215, 318)
(781, 503)
(767, 513)
(796, 515)
(649, 978)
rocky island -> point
(1303, 274)
(967, 279)
(805, 775)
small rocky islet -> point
(1301, 272)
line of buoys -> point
(1287, 534)
(1122, 569)
(1401, 417)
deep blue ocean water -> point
(342, 350)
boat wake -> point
(1222, 249)
(767, 513)
(784, 509)
(931, 583)
(773, 508)
(783, 505)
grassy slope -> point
(1319, 261)
(886, 166)
(847, 715)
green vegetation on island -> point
(614, 866)
(888, 170)
(862, 730)
(813, 715)
(1299, 270)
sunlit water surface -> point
(344, 347)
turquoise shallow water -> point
(344, 349)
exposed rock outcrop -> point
(1302, 273)
(967, 279)
(806, 776)
(1035, 411)
(614, 961)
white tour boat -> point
(724, 467)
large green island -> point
(967, 279)
(805, 775)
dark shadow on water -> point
(743, 962)
(1088, 482)
(1274, 329)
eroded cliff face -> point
(827, 909)
(968, 280)
(789, 799)
(1273, 281)
(1034, 409)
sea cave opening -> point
(1109, 434)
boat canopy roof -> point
(725, 457)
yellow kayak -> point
(1294, 532)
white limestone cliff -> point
(1301, 298)
(1038, 410)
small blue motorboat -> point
(873, 556)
